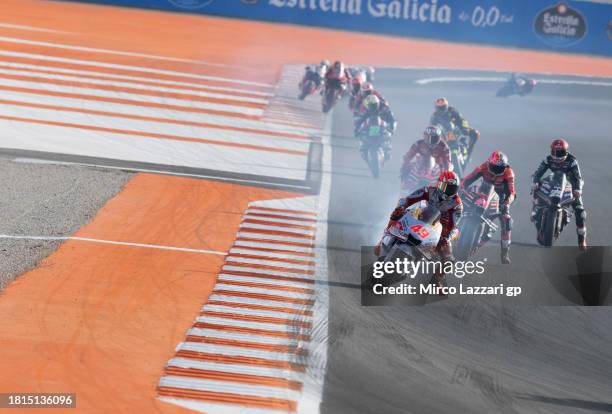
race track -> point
(471, 358)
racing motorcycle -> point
(333, 92)
(375, 141)
(308, 87)
(517, 86)
(553, 211)
(421, 172)
(477, 222)
(460, 147)
(416, 234)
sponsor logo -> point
(426, 11)
(190, 4)
(560, 25)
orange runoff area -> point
(102, 320)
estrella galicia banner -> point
(556, 25)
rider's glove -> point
(534, 187)
(577, 194)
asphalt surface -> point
(40, 199)
(474, 357)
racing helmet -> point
(324, 63)
(432, 135)
(355, 84)
(371, 103)
(559, 150)
(448, 183)
(441, 104)
(497, 163)
(367, 89)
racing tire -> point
(549, 224)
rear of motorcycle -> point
(373, 138)
(555, 196)
(308, 88)
(477, 222)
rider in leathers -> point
(315, 73)
(431, 145)
(445, 199)
(337, 77)
(561, 160)
(497, 172)
(446, 115)
(374, 108)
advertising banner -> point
(561, 26)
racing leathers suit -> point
(450, 118)
(389, 123)
(440, 153)
(503, 185)
(571, 169)
(450, 208)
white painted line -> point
(284, 247)
(136, 98)
(161, 128)
(131, 68)
(31, 28)
(44, 77)
(290, 295)
(230, 298)
(273, 237)
(26, 135)
(237, 278)
(207, 407)
(228, 179)
(228, 387)
(240, 351)
(244, 226)
(111, 52)
(274, 220)
(244, 337)
(270, 327)
(132, 79)
(254, 312)
(228, 268)
(269, 263)
(312, 393)
(156, 113)
(118, 243)
(236, 250)
(426, 81)
(255, 209)
(236, 368)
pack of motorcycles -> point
(419, 230)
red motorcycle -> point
(421, 172)
(334, 91)
(477, 222)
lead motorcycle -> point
(553, 212)
(477, 221)
(375, 143)
(333, 92)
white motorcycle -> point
(416, 234)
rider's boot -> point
(582, 244)
(505, 252)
